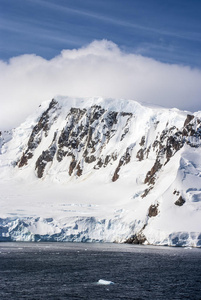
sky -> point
(145, 50)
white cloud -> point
(99, 69)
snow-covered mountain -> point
(102, 170)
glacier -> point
(102, 170)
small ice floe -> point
(187, 247)
(105, 282)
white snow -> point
(60, 207)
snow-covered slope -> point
(102, 170)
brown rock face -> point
(42, 126)
(72, 166)
(153, 211)
(180, 201)
(146, 192)
(79, 170)
(90, 159)
(188, 119)
(116, 175)
(136, 239)
(24, 159)
(169, 142)
(140, 154)
(125, 159)
(142, 142)
(44, 158)
(150, 178)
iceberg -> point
(105, 282)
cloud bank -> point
(99, 69)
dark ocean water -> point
(72, 270)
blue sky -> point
(168, 30)
(144, 50)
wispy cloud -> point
(39, 33)
(186, 35)
(99, 69)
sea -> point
(98, 271)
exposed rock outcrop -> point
(153, 210)
(180, 201)
(125, 159)
(40, 129)
(44, 158)
(136, 239)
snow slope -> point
(102, 170)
